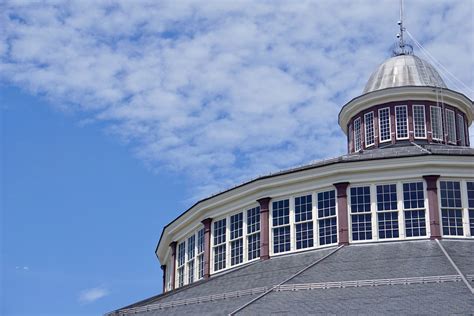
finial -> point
(403, 48)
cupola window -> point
(462, 130)
(369, 129)
(451, 126)
(384, 125)
(357, 135)
(401, 118)
(436, 123)
(419, 124)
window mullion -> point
(465, 209)
(401, 212)
(292, 224)
(373, 211)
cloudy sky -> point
(189, 97)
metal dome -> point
(404, 70)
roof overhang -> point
(405, 93)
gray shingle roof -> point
(354, 262)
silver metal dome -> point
(404, 70)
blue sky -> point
(117, 115)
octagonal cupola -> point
(406, 101)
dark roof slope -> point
(402, 264)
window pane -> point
(369, 129)
(281, 239)
(413, 195)
(328, 231)
(191, 244)
(452, 222)
(401, 120)
(386, 197)
(253, 220)
(388, 225)
(201, 266)
(303, 208)
(326, 204)
(219, 231)
(254, 246)
(281, 212)
(191, 272)
(181, 253)
(361, 227)
(180, 277)
(219, 257)
(304, 235)
(236, 251)
(201, 240)
(450, 194)
(415, 223)
(360, 199)
(236, 226)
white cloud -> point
(219, 91)
(92, 295)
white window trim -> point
(213, 245)
(242, 237)
(424, 120)
(464, 207)
(389, 126)
(367, 144)
(426, 208)
(290, 223)
(406, 122)
(373, 211)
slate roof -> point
(387, 260)
(398, 150)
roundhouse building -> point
(386, 228)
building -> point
(386, 228)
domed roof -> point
(404, 70)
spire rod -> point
(402, 29)
(403, 48)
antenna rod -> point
(400, 23)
